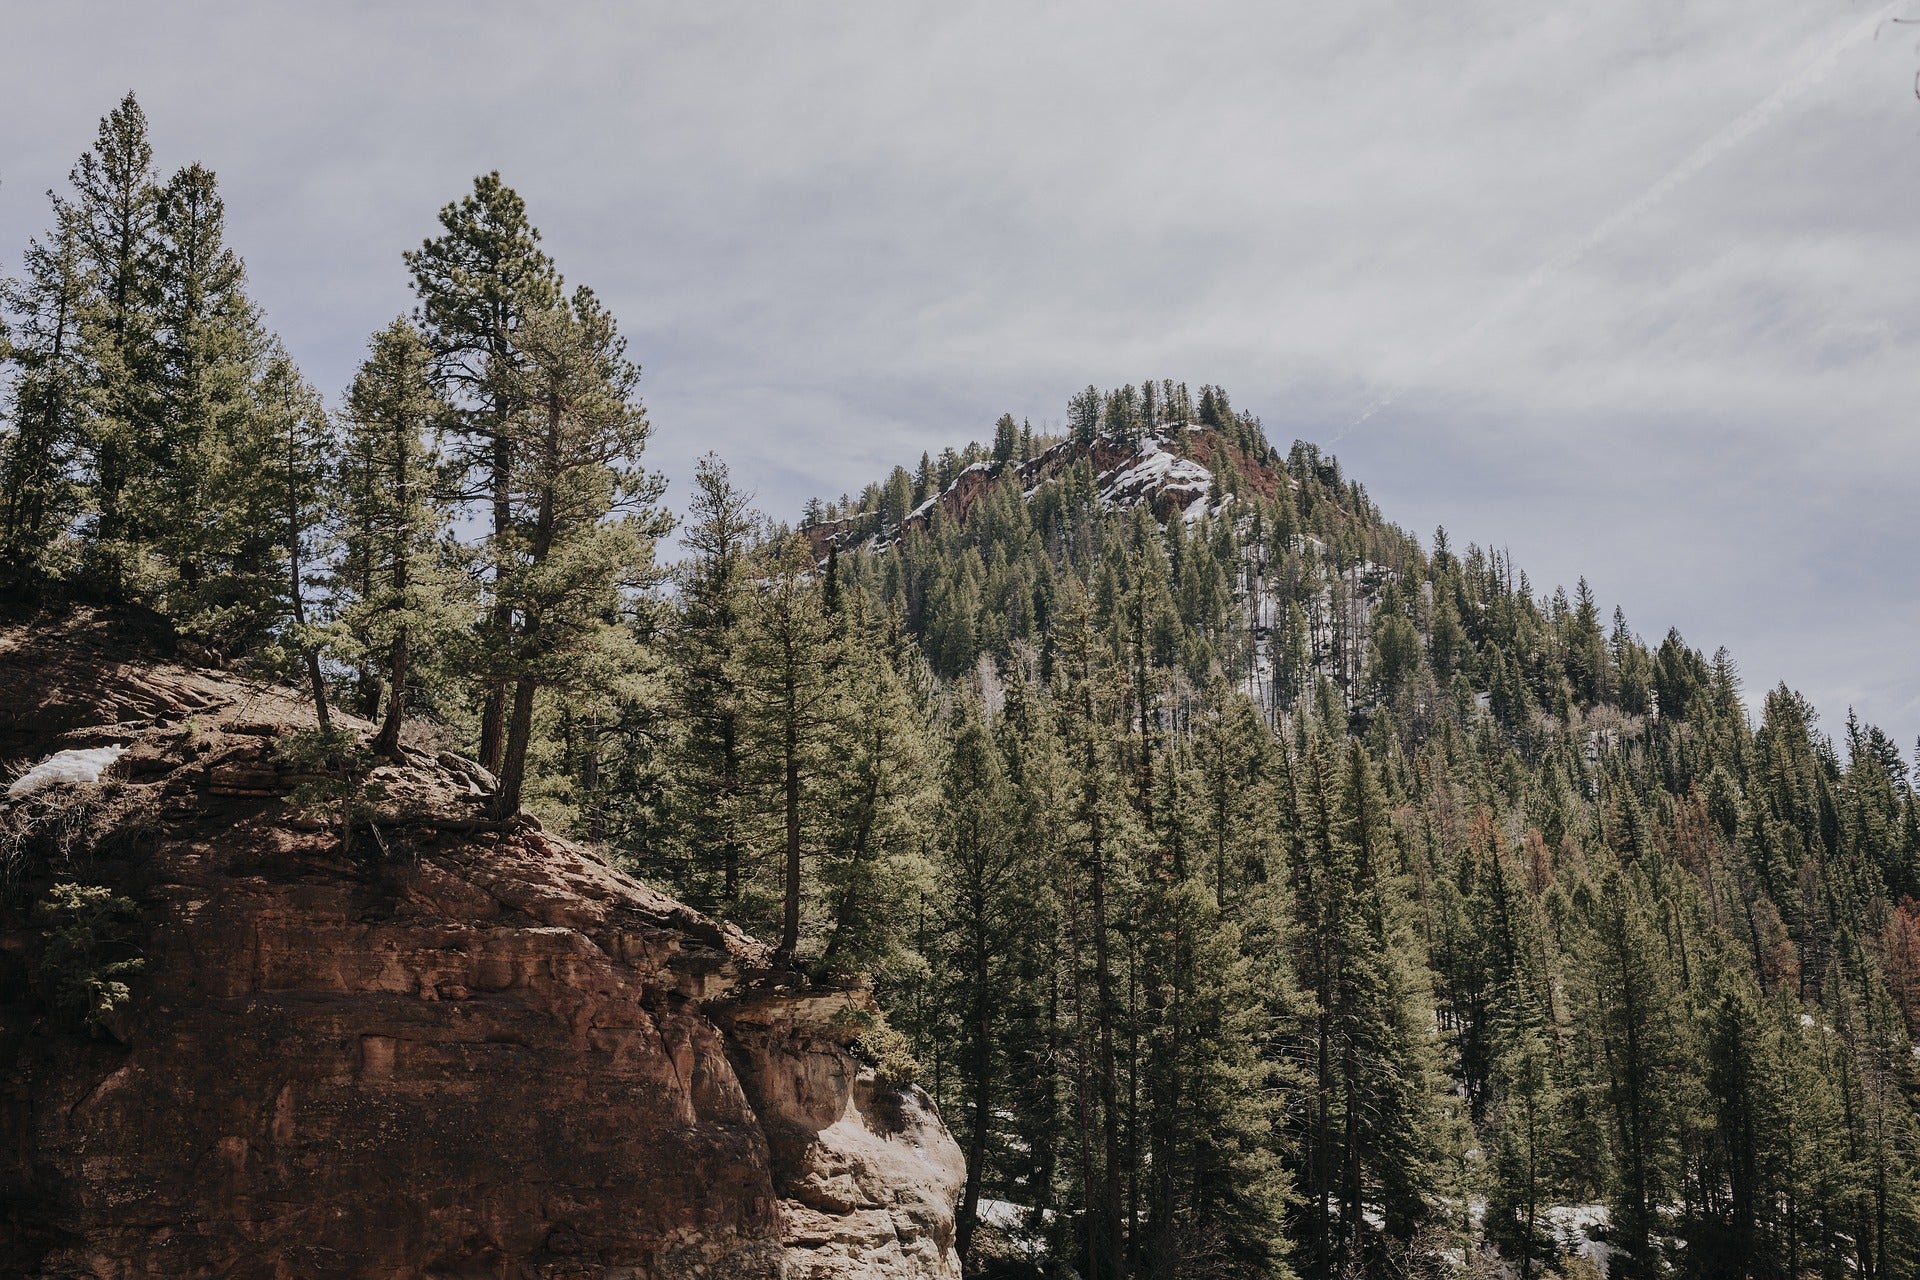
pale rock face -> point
(488, 1054)
(875, 1192)
(869, 1174)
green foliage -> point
(884, 1049)
(336, 784)
(84, 950)
(580, 521)
(396, 593)
(42, 431)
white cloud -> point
(841, 235)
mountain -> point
(1441, 916)
(1254, 888)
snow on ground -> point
(1156, 470)
(1011, 1221)
(1573, 1224)
(928, 505)
(78, 767)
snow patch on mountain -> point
(1157, 473)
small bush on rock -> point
(337, 769)
(886, 1050)
(87, 927)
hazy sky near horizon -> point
(1634, 288)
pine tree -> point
(1217, 1189)
(479, 283)
(1083, 416)
(1529, 1145)
(1006, 439)
(112, 221)
(880, 802)
(1037, 1039)
(581, 520)
(1643, 1060)
(1102, 836)
(290, 451)
(720, 533)
(785, 669)
(195, 472)
(1230, 748)
(1370, 1136)
(44, 431)
(977, 860)
(392, 599)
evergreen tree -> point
(582, 523)
(290, 451)
(881, 799)
(720, 534)
(392, 597)
(1643, 1064)
(1083, 416)
(1370, 1138)
(44, 431)
(112, 222)
(1529, 1145)
(785, 669)
(978, 857)
(1006, 439)
(1103, 834)
(195, 471)
(479, 283)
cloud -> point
(841, 235)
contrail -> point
(1742, 128)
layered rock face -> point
(471, 1053)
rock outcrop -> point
(460, 1051)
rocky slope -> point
(1170, 478)
(471, 1052)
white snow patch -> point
(78, 767)
(1011, 1221)
(1573, 1225)
(1157, 471)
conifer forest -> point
(1258, 888)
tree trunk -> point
(790, 917)
(969, 1214)
(315, 679)
(388, 742)
(493, 712)
(506, 798)
(730, 798)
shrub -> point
(886, 1050)
(86, 925)
(338, 767)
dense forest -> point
(1258, 891)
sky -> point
(1630, 290)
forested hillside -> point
(1258, 890)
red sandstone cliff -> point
(485, 1054)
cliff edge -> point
(460, 1051)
